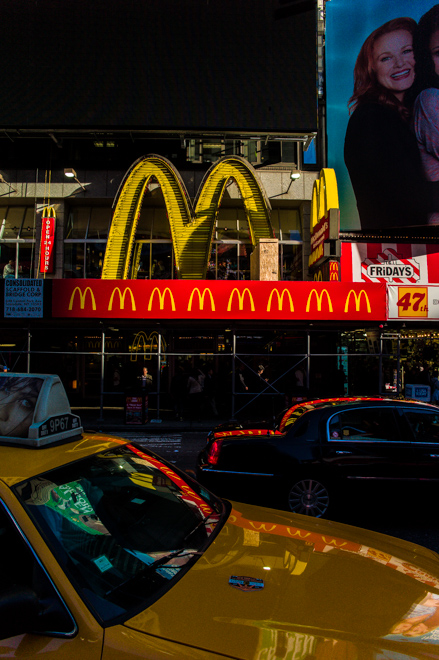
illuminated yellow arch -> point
(324, 196)
(191, 231)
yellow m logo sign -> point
(319, 297)
(280, 299)
(161, 296)
(241, 297)
(324, 196)
(82, 297)
(201, 299)
(357, 299)
(187, 224)
(122, 298)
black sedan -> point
(322, 448)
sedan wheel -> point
(308, 497)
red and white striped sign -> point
(390, 263)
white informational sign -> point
(23, 298)
(413, 303)
(418, 392)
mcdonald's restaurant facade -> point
(282, 293)
(181, 241)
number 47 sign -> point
(413, 302)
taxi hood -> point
(293, 586)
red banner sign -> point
(230, 300)
(47, 243)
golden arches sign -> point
(324, 196)
(145, 345)
(191, 228)
(280, 299)
(82, 297)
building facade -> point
(134, 233)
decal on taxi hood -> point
(246, 583)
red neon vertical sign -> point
(47, 241)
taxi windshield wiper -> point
(183, 552)
(161, 561)
(203, 521)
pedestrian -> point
(145, 379)
(9, 269)
(434, 384)
(179, 392)
(146, 385)
(241, 385)
(263, 376)
(210, 391)
(195, 394)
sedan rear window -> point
(124, 526)
(364, 425)
(424, 424)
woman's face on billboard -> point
(394, 62)
(434, 50)
(17, 405)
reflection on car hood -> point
(305, 587)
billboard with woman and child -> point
(382, 63)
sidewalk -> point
(113, 421)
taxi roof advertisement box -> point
(380, 86)
(35, 410)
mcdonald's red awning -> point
(213, 300)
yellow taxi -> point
(107, 551)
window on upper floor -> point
(88, 222)
(17, 222)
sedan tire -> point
(308, 497)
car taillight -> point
(214, 451)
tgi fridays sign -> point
(47, 240)
(389, 267)
(390, 263)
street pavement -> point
(406, 518)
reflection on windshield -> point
(122, 524)
(421, 620)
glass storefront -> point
(153, 256)
(17, 241)
(251, 374)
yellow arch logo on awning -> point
(324, 196)
(191, 229)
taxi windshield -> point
(124, 526)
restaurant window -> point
(160, 225)
(17, 239)
(229, 261)
(85, 242)
(287, 224)
(74, 260)
(291, 264)
(85, 222)
(152, 260)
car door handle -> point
(434, 455)
(343, 452)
